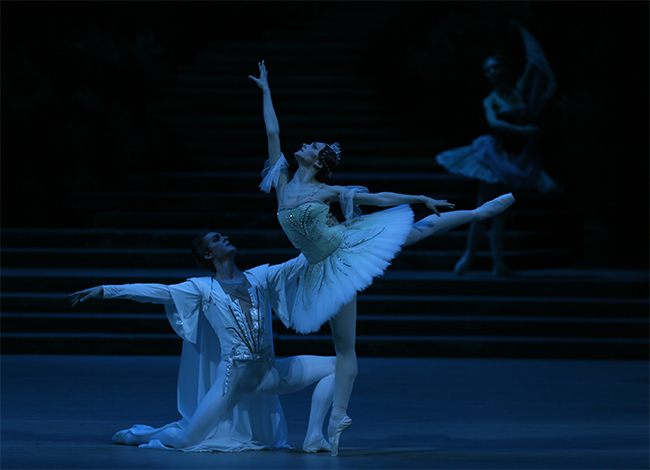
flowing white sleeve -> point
(274, 176)
(183, 302)
(543, 84)
(280, 283)
(346, 198)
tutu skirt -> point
(487, 161)
(368, 245)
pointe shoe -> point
(335, 429)
(493, 207)
(462, 265)
(320, 445)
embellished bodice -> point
(514, 114)
(306, 226)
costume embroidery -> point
(247, 333)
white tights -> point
(435, 225)
(343, 325)
(284, 376)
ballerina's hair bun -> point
(328, 157)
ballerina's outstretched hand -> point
(261, 82)
(433, 204)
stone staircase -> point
(410, 311)
(141, 230)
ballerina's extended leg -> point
(435, 225)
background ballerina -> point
(507, 160)
(342, 258)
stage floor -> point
(60, 412)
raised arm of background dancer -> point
(386, 199)
(525, 81)
(504, 127)
(270, 119)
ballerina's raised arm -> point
(321, 158)
(272, 126)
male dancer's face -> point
(218, 246)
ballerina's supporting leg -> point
(435, 225)
(497, 229)
(344, 326)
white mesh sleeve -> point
(274, 176)
(346, 198)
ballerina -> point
(508, 160)
(342, 259)
(229, 378)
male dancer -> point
(229, 378)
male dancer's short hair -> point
(198, 250)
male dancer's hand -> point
(86, 294)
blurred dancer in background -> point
(508, 159)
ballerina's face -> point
(493, 69)
(218, 246)
(308, 153)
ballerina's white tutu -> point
(342, 259)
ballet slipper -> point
(463, 264)
(122, 437)
(155, 444)
(335, 429)
(321, 445)
(493, 207)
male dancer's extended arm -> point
(145, 293)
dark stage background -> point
(79, 79)
(127, 126)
